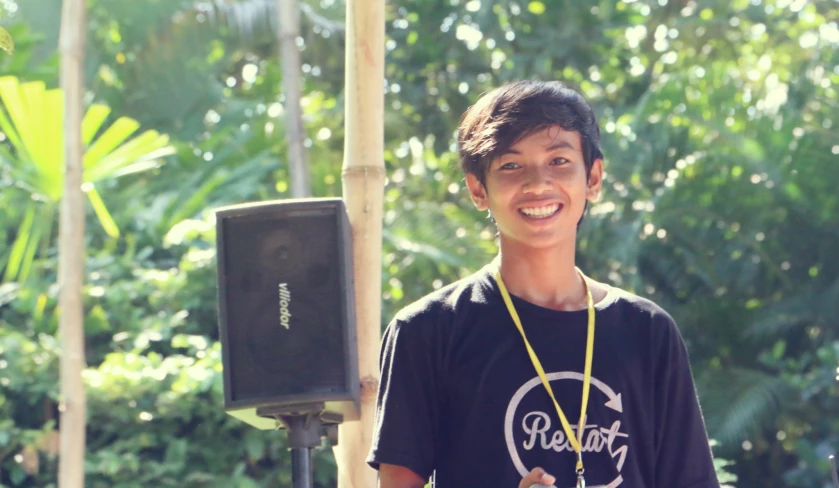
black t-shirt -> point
(460, 399)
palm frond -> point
(809, 305)
(35, 157)
(738, 401)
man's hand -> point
(537, 476)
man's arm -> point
(393, 476)
(408, 403)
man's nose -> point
(537, 180)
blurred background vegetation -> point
(719, 121)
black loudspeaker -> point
(286, 308)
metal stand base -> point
(306, 425)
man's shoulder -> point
(450, 299)
(640, 319)
(636, 307)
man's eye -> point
(509, 166)
(559, 161)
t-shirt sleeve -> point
(683, 453)
(407, 406)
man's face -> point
(537, 191)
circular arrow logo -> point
(537, 427)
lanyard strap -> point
(576, 441)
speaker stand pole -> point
(301, 467)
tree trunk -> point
(298, 167)
(363, 182)
(71, 252)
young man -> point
(528, 371)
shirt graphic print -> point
(531, 430)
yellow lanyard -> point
(576, 441)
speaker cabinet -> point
(286, 307)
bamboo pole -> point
(363, 187)
(289, 14)
(71, 251)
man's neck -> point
(545, 277)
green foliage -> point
(33, 125)
(718, 126)
(726, 478)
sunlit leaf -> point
(29, 254)
(24, 234)
(102, 212)
(6, 42)
(118, 132)
(127, 153)
(33, 122)
(92, 122)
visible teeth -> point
(543, 211)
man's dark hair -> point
(511, 112)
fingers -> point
(537, 476)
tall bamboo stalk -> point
(363, 183)
(71, 251)
(289, 14)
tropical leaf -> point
(33, 119)
(102, 211)
(24, 234)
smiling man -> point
(529, 371)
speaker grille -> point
(285, 315)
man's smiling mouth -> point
(542, 211)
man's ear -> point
(595, 180)
(477, 191)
